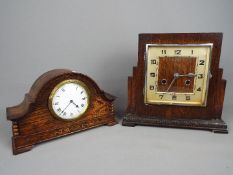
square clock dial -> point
(177, 74)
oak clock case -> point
(59, 103)
(177, 82)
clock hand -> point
(75, 104)
(66, 106)
(176, 75)
(187, 75)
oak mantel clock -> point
(59, 103)
(177, 82)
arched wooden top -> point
(38, 86)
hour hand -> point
(74, 104)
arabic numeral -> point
(199, 89)
(174, 97)
(152, 74)
(161, 96)
(153, 61)
(178, 52)
(201, 62)
(200, 76)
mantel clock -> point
(59, 103)
(177, 82)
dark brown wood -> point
(33, 123)
(145, 114)
(166, 72)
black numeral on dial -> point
(178, 52)
(152, 74)
(201, 62)
(152, 87)
(199, 89)
(153, 61)
(200, 76)
(161, 96)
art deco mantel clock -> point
(60, 102)
(177, 82)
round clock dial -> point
(177, 74)
(69, 99)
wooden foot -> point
(126, 123)
(112, 123)
(220, 131)
(20, 150)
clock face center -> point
(69, 100)
(176, 70)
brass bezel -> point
(55, 89)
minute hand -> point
(187, 75)
(65, 107)
(177, 75)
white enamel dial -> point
(69, 99)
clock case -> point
(206, 118)
(33, 123)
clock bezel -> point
(57, 87)
(204, 95)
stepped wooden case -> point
(146, 102)
(33, 122)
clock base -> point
(24, 143)
(17, 150)
(214, 125)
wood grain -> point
(181, 65)
(34, 123)
(142, 111)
